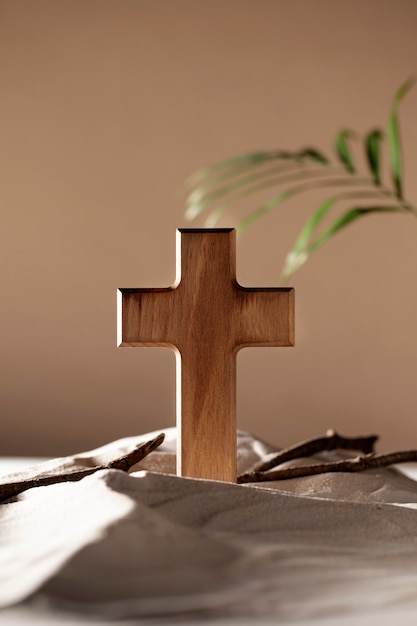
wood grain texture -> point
(206, 317)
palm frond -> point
(394, 140)
(217, 187)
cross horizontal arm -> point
(144, 317)
(263, 317)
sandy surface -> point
(151, 548)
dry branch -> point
(358, 464)
(331, 441)
(124, 463)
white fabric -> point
(153, 548)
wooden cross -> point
(206, 317)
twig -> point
(358, 464)
(124, 463)
(331, 441)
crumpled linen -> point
(152, 546)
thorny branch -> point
(332, 441)
(124, 463)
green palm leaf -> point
(237, 179)
(292, 176)
(231, 163)
(394, 141)
(295, 260)
(208, 193)
(292, 191)
(342, 148)
(373, 151)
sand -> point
(151, 548)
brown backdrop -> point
(106, 107)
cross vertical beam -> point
(206, 317)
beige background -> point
(106, 107)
